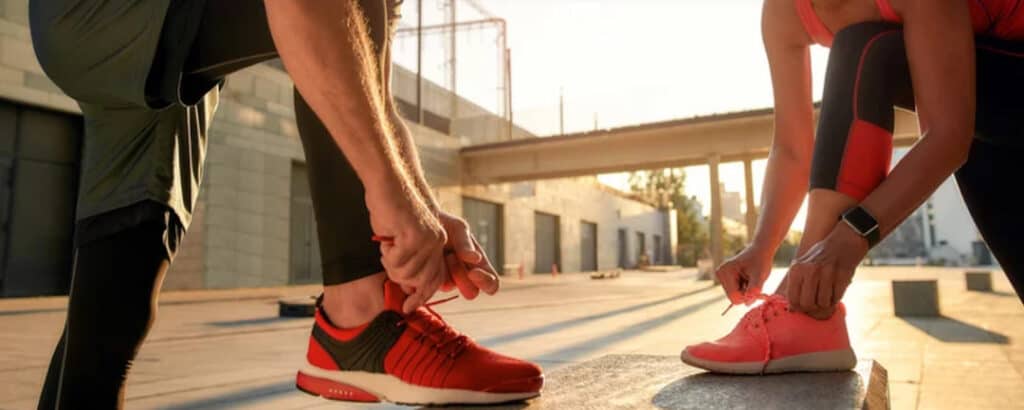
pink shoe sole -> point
(829, 361)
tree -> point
(666, 188)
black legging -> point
(122, 256)
(868, 75)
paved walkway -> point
(228, 349)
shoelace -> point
(433, 327)
(769, 308)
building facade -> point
(254, 225)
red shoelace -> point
(757, 318)
(431, 326)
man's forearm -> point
(326, 48)
(413, 167)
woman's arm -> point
(940, 49)
(788, 172)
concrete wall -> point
(240, 232)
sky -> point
(616, 63)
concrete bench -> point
(297, 307)
(612, 274)
(915, 298)
(662, 382)
(978, 281)
(662, 268)
(705, 269)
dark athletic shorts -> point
(148, 96)
(142, 142)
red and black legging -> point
(868, 76)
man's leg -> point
(357, 350)
(233, 36)
(867, 77)
(112, 304)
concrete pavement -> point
(228, 349)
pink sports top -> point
(1003, 19)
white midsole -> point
(390, 388)
(833, 360)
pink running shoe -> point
(772, 339)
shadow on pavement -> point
(575, 351)
(565, 324)
(255, 322)
(811, 390)
(240, 397)
(952, 330)
(506, 406)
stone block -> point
(252, 160)
(19, 54)
(250, 181)
(42, 83)
(16, 11)
(661, 382)
(297, 307)
(20, 93)
(978, 281)
(11, 76)
(915, 298)
(18, 31)
(250, 202)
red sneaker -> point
(772, 339)
(410, 359)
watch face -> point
(860, 221)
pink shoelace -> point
(758, 318)
(430, 325)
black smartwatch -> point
(863, 224)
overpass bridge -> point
(708, 140)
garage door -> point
(485, 221)
(588, 246)
(39, 153)
(304, 257)
(547, 243)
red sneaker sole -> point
(357, 387)
(332, 390)
(828, 361)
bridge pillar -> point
(748, 173)
(715, 225)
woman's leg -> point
(867, 77)
(988, 181)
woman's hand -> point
(743, 275)
(468, 267)
(818, 279)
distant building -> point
(905, 245)
(732, 205)
(940, 232)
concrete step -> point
(663, 382)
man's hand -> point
(818, 279)
(412, 254)
(743, 275)
(468, 267)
